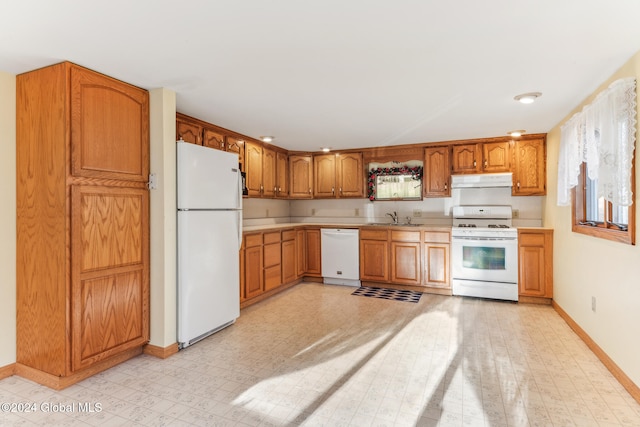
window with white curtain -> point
(596, 172)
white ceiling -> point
(340, 73)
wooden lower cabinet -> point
(405, 257)
(289, 259)
(301, 253)
(272, 256)
(436, 259)
(535, 263)
(253, 281)
(314, 261)
(374, 255)
(418, 259)
(274, 260)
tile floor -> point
(316, 355)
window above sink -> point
(395, 181)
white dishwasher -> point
(340, 256)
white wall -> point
(586, 266)
(163, 217)
(431, 211)
(7, 219)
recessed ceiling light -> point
(267, 138)
(326, 149)
(516, 133)
(527, 98)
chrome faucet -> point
(394, 216)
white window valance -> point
(603, 136)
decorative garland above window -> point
(415, 172)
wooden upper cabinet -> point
(466, 158)
(338, 175)
(188, 131)
(529, 171)
(253, 157)
(109, 127)
(261, 169)
(496, 157)
(269, 172)
(350, 175)
(236, 145)
(213, 139)
(324, 176)
(199, 132)
(437, 172)
(300, 177)
(282, 175)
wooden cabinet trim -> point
(405, 236)
(437, 236)
(371, 234)
(271, 237)
(251, 240)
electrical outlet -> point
(516, 213)
(593, 304)
(313, 212)
(417, 213)
(267, 215)
(357, 212)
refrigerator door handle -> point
(239, 229)
(239, 180)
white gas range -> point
(484, 256)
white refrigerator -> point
(209, 187)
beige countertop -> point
(280, 226)
(266, 227)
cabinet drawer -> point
(437, 236)
(288, 235)
(272, 254)
(272, 237)
(531, 239)
(251, 240)
(368, 234)
(272, 277)
(405, 236)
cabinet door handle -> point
(261, 188)
(485, 164)
(333, 190)
(340, 190)
(518, 185)
(474, 163)
(445, 186)
(309, 190)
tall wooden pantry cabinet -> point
(83, 223)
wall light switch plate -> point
(516, 213)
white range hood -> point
(482, 180)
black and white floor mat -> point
(392, 294)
